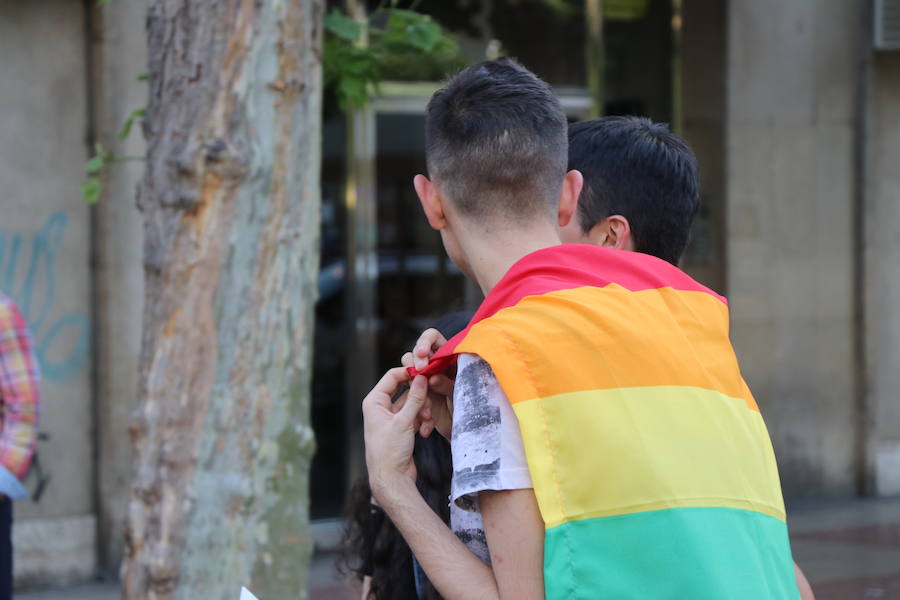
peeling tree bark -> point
(230, 199)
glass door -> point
(384, 274)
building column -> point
(119, 57)
(703, 99)
(45, 242)
(790, 131)
(882, 274)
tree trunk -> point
(230, 199)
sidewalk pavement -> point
(849, 550)
(325, 584)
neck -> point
(491, 252)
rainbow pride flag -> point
(652, 466)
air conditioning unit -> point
(887, 24)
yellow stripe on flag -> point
(651, 448)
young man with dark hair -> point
(640, 193)
(647, 461)
(641, 188)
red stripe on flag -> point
(565, 267)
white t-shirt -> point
(486, 447)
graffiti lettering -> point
(30, 279)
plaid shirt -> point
(18, 390)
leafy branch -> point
(92, 186)
(403, 43)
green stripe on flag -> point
(679, 553)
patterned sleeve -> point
(18, 391)
(487, 448)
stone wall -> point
(120, 56)
(703, 89)
(790, 87)
(882, 274)
(45, 264)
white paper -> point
(246, 595)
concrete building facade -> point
(46, 246)
(794, 117)
(69, 80)
(790, 138)
(811, 235)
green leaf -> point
(90, 190)
(625, 10)
(94, 165)
(562, 8)
(402, 43)
(137, 113)
(342, 26)
(406, 28)
(143, 77)
(423, 36)
(352, 92)
(103, 2)
(359, 62)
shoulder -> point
(477, 395)
(474, 376)
(477, 390)
(475, 443)
(468, 359)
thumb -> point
(414, 401)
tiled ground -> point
(324, 580)
(849, 551)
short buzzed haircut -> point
(638, 169)
(496, 142)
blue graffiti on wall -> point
(34, 290)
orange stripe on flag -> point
(641, 338)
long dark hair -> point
(372, 545)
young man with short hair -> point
(641, 188)
(640, 193)
(647, 461)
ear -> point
(613, 232)
(568, 197)
(431, 200)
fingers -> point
(442, 416)
(429, 341)
(399, 402)
(407, 359)
(392, 380)
(425, 418)
(415, 407)
(441, 384)
(414, 401)
(424, 422)
(424, 413)
(386, 387)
